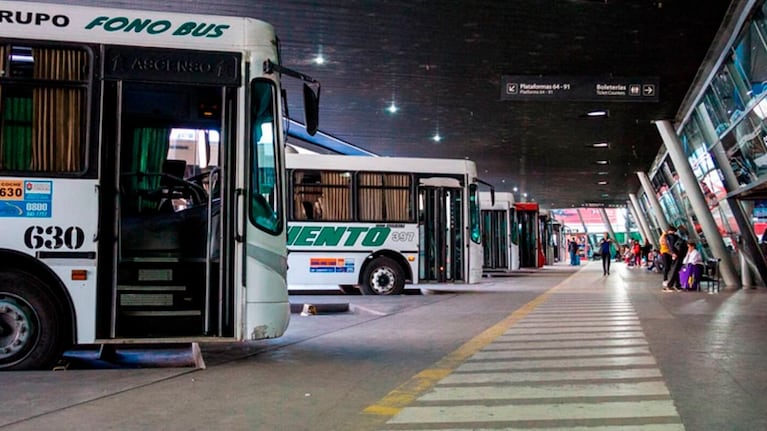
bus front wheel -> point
(29, 328)
(383, 276)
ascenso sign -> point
(337, 236)
(149, 24)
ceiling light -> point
(600, 145)
(603, 162)
(603, 173)
(436, 137)
(392, 108)
(319, 59)
(598, 113)
(602, 182)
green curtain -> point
(17, 134)
(149, 149)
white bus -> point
(377, 223)
(142, 195)
(500, 241)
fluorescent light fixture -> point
(600, 145)
(602, 182)
(603, 162)
(602, 173)
(598, 113)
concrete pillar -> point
(608, 225)
(641, 219)
(698, 202)
(745, 268)
(654, 203)
(717, 151)
(645, 236)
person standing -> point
(605, 251)
(666, 240)
(678, 251)
(571, 250)
(637, 253)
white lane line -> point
(577, 324)
(546, 391)
(522, 345)
(534, 412)
(646, 427)
(564, 353)
(572, 329)
(608, 361)
(508, 338)
(583, 319)
(550, 376)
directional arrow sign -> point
(579, 88)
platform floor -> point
(561, 348)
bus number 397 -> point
(403, 236)
(54, 237)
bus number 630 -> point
(54, 237)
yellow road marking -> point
(406, 393)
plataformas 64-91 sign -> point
(579, 88)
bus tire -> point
(382, 276)
(30, 329)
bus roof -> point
(61, 22)
(387, 164)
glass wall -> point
(731, 112)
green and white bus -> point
(377, 223)
(142, 182)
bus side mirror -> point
(311, 108)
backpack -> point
(671, 242)
(680, 246)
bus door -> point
(441, 232)
(167, 150)
(495, 240)
(527, 219)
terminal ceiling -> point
(441, 62)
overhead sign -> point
(579, 88)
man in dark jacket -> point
(679, 251)
(666, 248)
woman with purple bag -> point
(692, 268)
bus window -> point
(321, 195)
(385, 197)
(474, 210)
(43, 127)
(265, 209)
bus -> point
(500, 241)
(142, 182)
(374, 224)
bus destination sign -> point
(579, 88)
